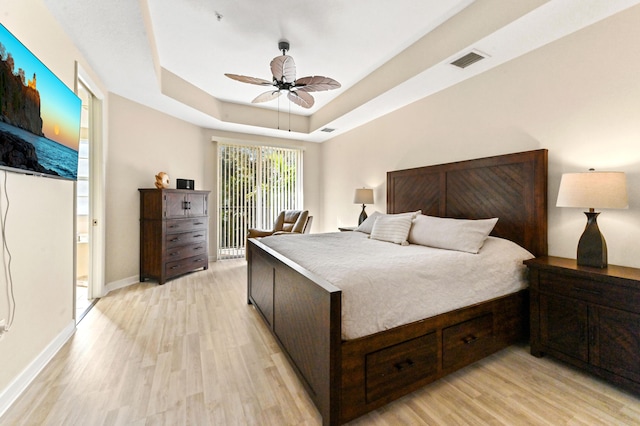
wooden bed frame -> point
(346, 379)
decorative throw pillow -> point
(451, 234)
(367, 225)
(392, 228)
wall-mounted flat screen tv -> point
(39, 115)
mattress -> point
(385, 285)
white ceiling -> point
(171, 55)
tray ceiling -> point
(172, 55)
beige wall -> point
(40, 221)
(578, 97)
(143, 142)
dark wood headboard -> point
(511, 187)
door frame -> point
(97, 192)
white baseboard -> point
(20, 383)
(125, 282)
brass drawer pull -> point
(469, 339)
(401, 365)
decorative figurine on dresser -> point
(174, 232)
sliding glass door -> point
(255, 183)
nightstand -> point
(588, 317)
(347, 228)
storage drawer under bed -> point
(467, 341)
(400, 365)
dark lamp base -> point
(592, 248)
(363, 216)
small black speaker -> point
(185, 184)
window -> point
(255, 183)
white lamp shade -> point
(605, 190)
(363, 196)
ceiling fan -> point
(283, 69)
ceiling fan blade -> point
(267, 96)
(251, 80)
(316, 83)
(283, 68)
(303, 99)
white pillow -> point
(392, 228)
(451, 234)
(367, 225)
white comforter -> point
(385, 285)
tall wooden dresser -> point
(174, 232)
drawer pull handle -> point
(173, 226)
(587, 290)
(405, 364)
(175, 266)
(198, 223)
(198, 248)
(175, 253)
(198, 236)
(469, 339)
(174, 240)
(197, 260)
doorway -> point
(84, 300)
(90, 197)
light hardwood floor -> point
(192, 352)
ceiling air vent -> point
(327, 130)
(468, 59)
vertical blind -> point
(255, 183)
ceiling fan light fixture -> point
(283, 70)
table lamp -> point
(363, 196)
(606, 190)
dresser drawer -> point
(175, 226)
(468, 341)
(604, 294)
(186, 265)
(175, 240)
(182, 252)
(401, 365)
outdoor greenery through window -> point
(255, 183)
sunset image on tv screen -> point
(39, 115)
